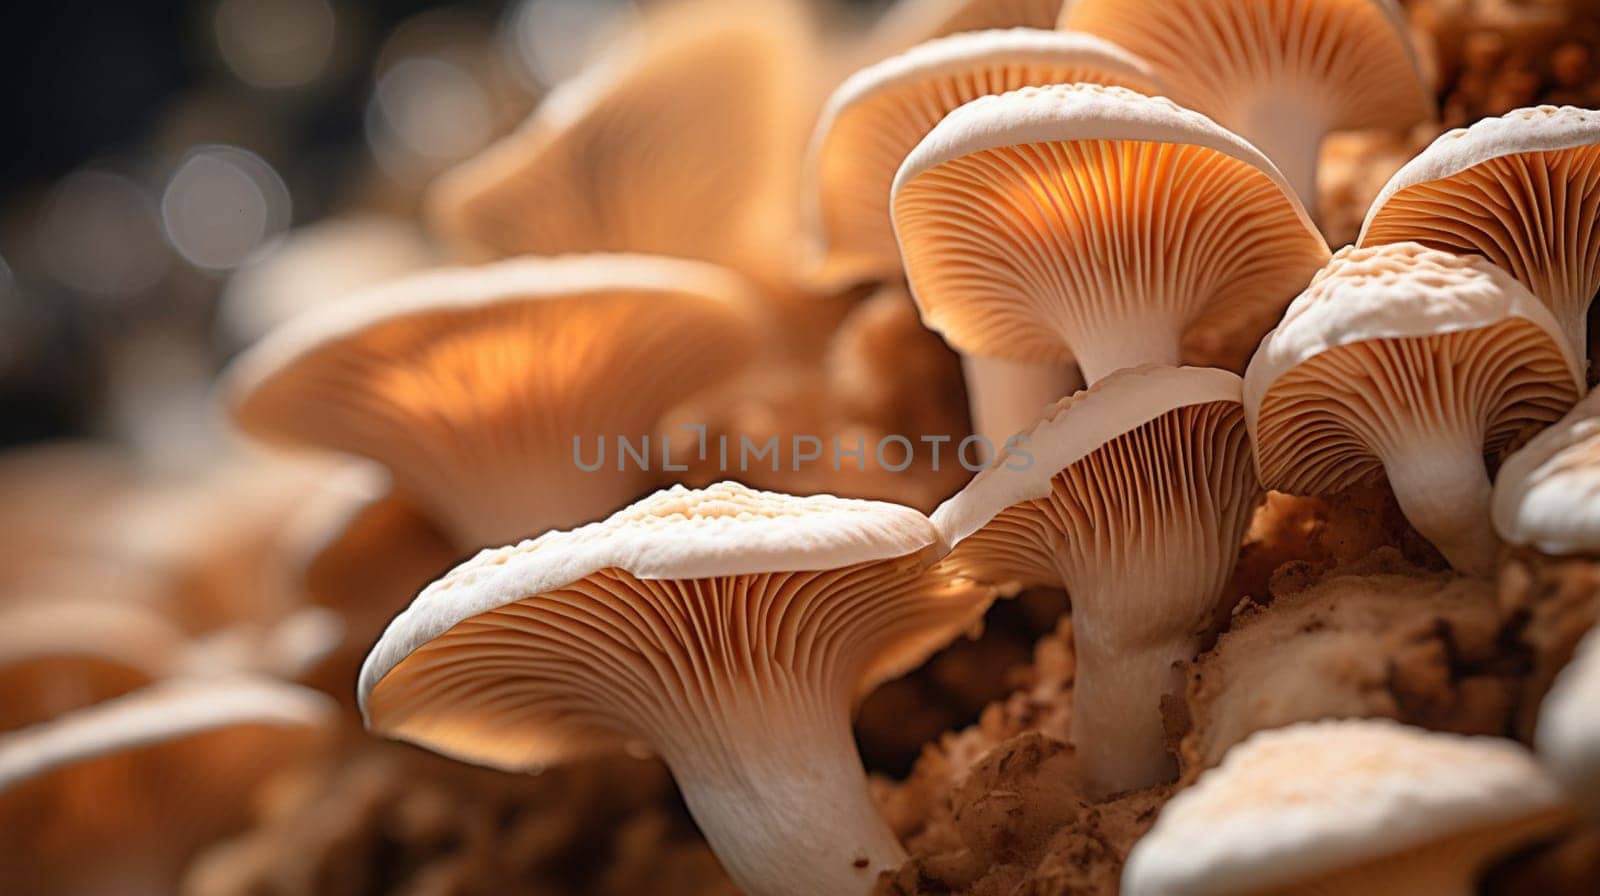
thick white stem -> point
(782, 798)
(1289, 131)
(1444, 491)
(1134, 344)
(1117, 727)
(1006, 397)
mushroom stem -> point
(1005, 397)
(780, 794)
(1117, 726)
(1289, 130)
(1132, 343)
(1444, 490)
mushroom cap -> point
(1547, 495)
(1521, 190)
(1568, 736)
(572, 612)
(911, 22)
(1071, 430)
(1338, 371)
(1353, 59)
(1294, 803)
(464, 381)
(1025, 207)
(677, 143)
(874, 119)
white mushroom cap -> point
(1348, 806)
(1522, 191)
(1568, 736)
(1280, 74)
(728, 629)
(1547, 495)
(1026, 236)
(1412, 363)
(471, 384)
(1133, 495)
(875, 118)
(679, 142)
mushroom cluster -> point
(748, 376)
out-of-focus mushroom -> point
(148, 779)
(1547, 495)
(1568, 736)
(1094, 224)
(1134, 496)
(1412, 364)
(875, 118)
(727, 629)
(911, 22)
(60, 655)
(487, 392)
(679, 143)
(1521, 190)
(1345, 808)
(1280, 73)
(316, 266)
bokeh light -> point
(425, 113)
(99, 236)
(221, 204)
(275, 43)
(549, 41)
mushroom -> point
(1568, 736)
(911, 22)
(1413, 364)
(1094, 224)
(1134, 496)
(727, 629)
(879, 114)
(1282, 73)
(678, 143)
(1547, 495)
(1521, 190)
(488, 392)
(60, 655)
(146, 779)
(1344, 808)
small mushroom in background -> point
(148, 779)
(1134, 496)
(1568, 736)
(1378, 638)
(731, 631)
(1520, 190)
(1547, 495)
(1091, 224)
(1345, 808)
(58, 655)
(1280, 74)
(1410, 364)
(316, 266)
(680, 142)
(483, 389)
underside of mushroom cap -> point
(1291, 805)
(875, 118)
(1350, 59)
(1090, 223)
(1547, 495)
(1392, 341)
(1522, 190)
(675, 144)
(471, 384)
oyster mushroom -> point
(1568, 736)
(1521, 190)
(1091, 224)
(481, 389)
(1345, 808)
(1547, 495)
(1280, 73)
(1134, 496)
(148, 779)
(1410, 364)
(728, 630)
